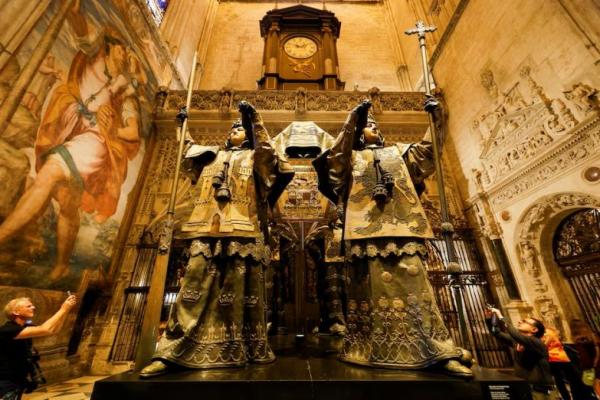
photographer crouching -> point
(529, 352)
(19, 370)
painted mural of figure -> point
(87, 134)
(219, 317)
(41, 84)
(392, 318)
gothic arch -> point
(534, 233)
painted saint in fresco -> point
(88, 132)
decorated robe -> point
(94, 157)
(219, 318)
(392, 318)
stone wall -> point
(521, 82)
(234, 56)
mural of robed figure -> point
(88, 132)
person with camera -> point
(19, 370)
(529, 351)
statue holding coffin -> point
(219, 319)
(392, 318)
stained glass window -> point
(157, 9)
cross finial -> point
(420, 29)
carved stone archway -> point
(548, 290)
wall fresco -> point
(74, 146)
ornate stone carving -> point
(483, 210)
(159, 99)
(529, 229)
(529, 259)
(267, 99)
(401, 101)
(580, 144)
(532, 219)
(322, 101)
(563, 118)
(496, 278)
(300, 100)
(524, 126)
(375, 100)
(488, 83)
(549, 312)
(225, 100)
(584, 98)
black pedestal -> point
(306, 375)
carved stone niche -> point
(534, 248)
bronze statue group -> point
(392, 319)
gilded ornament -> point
(386, 277)
(412, 270)
(397, 303)
(412, 299)
(383, 303)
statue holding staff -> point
(219, 319)
(392, 317)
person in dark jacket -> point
(530, 353)
(16, 343)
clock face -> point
(300, 47)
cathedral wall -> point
(537, 34)
(521, 81)
(234, 57)
(85, 109)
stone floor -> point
(74, 389)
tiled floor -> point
(74, 389)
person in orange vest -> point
(564, 370)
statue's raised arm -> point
(271, 169)
(334, 165)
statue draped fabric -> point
(392, 318)
(219, 317)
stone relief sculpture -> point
(524, 126)
(392, 318)
(529, 259)
(219, 317)
(489, 84)
(529, 231)
(583, 97)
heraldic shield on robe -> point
(392, 317)
(219, 317)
